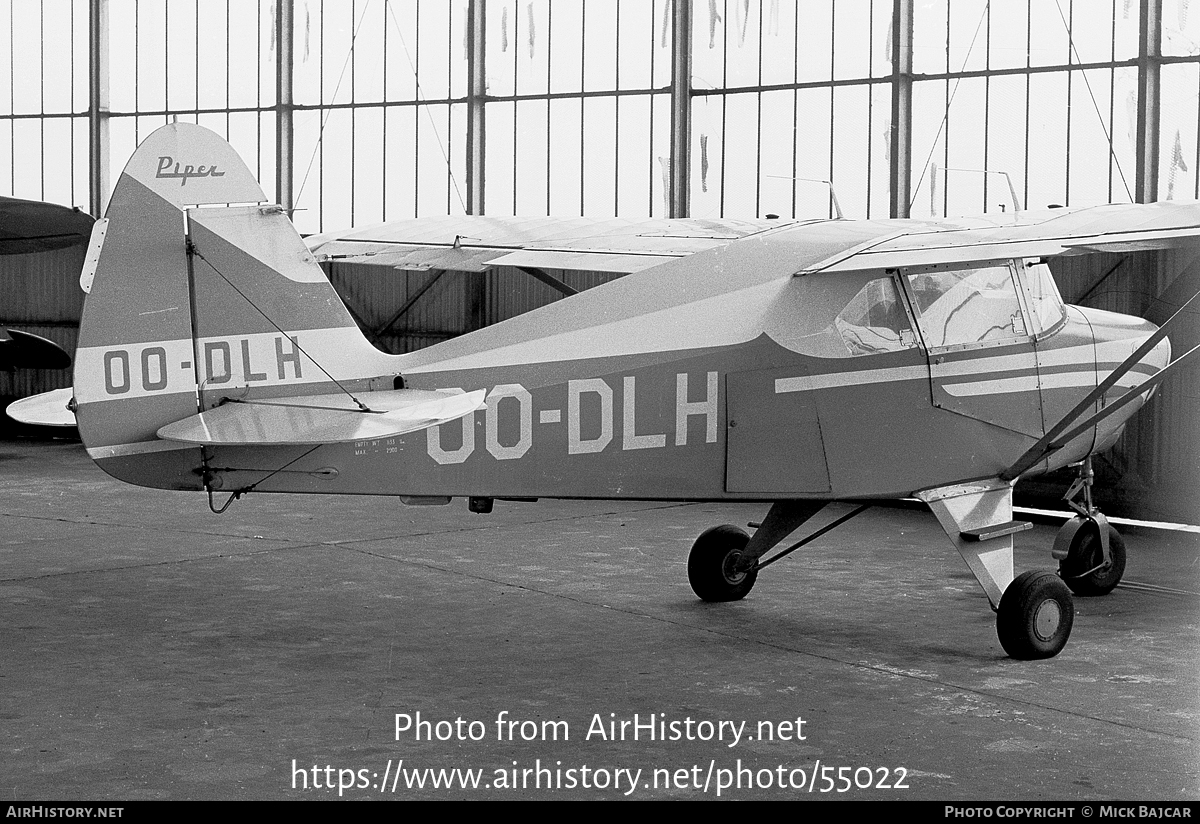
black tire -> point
(1085, 553)
(1035, 616)
(710, 565)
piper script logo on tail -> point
(169, 168)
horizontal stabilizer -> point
(46, 409)
(320, 419)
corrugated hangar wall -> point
(401, 311)
(40, 293)
(1154, 469)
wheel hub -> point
(729, 567)
(1046, 619)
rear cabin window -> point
(874, 320)
(967, 306)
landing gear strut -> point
(1090, 552)
(724, 561)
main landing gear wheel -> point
(1084, 569)
(712, 561)
(1035, 616)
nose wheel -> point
(1035, 616)
(1090, 552)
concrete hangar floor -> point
(152, 650)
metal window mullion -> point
(1028, 91)
(870, 98)
(71, 23)
(902, 84)
(617, 117)
(383, 153)
(946, 132)
(987, 105)
(12, 90)
(724, 104)
(1149, 92)
(1070, 113)
(1196, 188)
(758, 127)
(284, 105)
(449, 109)
(227, 73)
(196, 72)
(258, 90)
(681, 109)
(98, 105)
(326, 111)
(582, 106)
(353, 99)
(795, 100)
(516, 49)
(476, 91)
(653, 103)
(416, 158)
(549, 74)
(832, 101)
(1112, 93)
(42, 99)
(137, 71)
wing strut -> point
(1055, 439)
(548, 279)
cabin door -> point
(774, 441)
(982, 362)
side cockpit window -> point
(967, 306)
(874, 320)
(1045, 302)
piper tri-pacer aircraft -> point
(789, 363)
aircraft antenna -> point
(362, 407)
(833, 199)
(1012, 190)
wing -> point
(476, 244)
(1112, 228)
(24, 350)
(28, 226)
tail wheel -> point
(1035, 616)
(1084, 569)
(712, 561)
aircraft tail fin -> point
(194, 301)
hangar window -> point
(874, 320)
(967, 306)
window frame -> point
(1013, 266)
